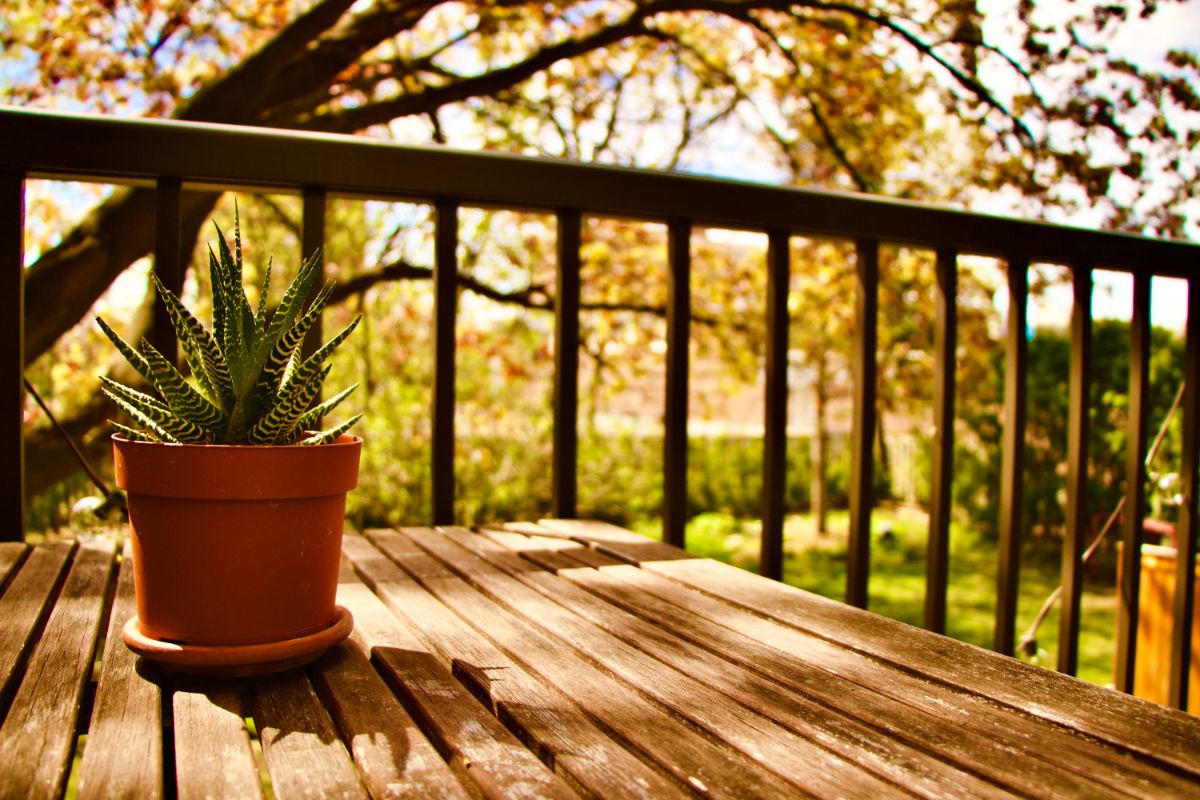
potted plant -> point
(236, 505)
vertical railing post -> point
(564, 471)
(1078, 431)
(1013, 465)
(12, 350)
(168, 260)
(1135, 484)
(445, 312)
(945, 361)
(1189, 513)
(675, 428)
(775, 412)
(312, 239)
(866, 338)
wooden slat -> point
(1155, 734)
(11, 554)
(692, 759)
(1013, 465)
(566, 366)
(213, 754)
(12, 351)
(866, 338)
(24, 607)
(773, 748)
(312, 238)
(38, 735)
(393, 756)
(124, 752)
(1189, 513)
(960, 731)
(444, 400)
(1078, 432)
(675, 413)
(775, 411)
(945, 362)
(546, 721)
(169, 263)
(794, 695)
(304, 755)
(1129, 589)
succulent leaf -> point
(252, 386)
(303, 369)
(134, 358)
(199, 348)
(153, 415)
(325, 437)
(291, 404)
(132, 434)
(313, 415)
(181, 397)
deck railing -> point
(173, 156)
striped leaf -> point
(182, 397)
(123, 347)
(320, 356)
(132, 434)
(280, 420)
(293, 301)
(325, 437)
(219, 313)
(199, 348)
(239, 341)
(271, 377)
(313, 416)
(260, 314)
(153, 414)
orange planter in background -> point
(1156, 619)
(236, 545)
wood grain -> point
(11, 554)
(24, 607)
(1153, 733)
(393, 756)
(213, 754)
(468, 734)
(304, 755)
(959, 729)
(123, 757)
(693, 758)
(37, 739)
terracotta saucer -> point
(235, 661)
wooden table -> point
(580, 660)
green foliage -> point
(977, 459)
(250, 382)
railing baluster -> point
(775, 412)
(675, 428)
(1189, 513)
(12, 349)
(1078, 431)
(1135, 481)
(566, 367)
(866, 338)
(1011, 494)
(445, 313)
(168, 260)
(945, 345)
(312, 238)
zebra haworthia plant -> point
(249, 382)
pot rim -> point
(345, 440)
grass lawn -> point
(817, 562)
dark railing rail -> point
(173, 157)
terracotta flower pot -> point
(236, 545)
